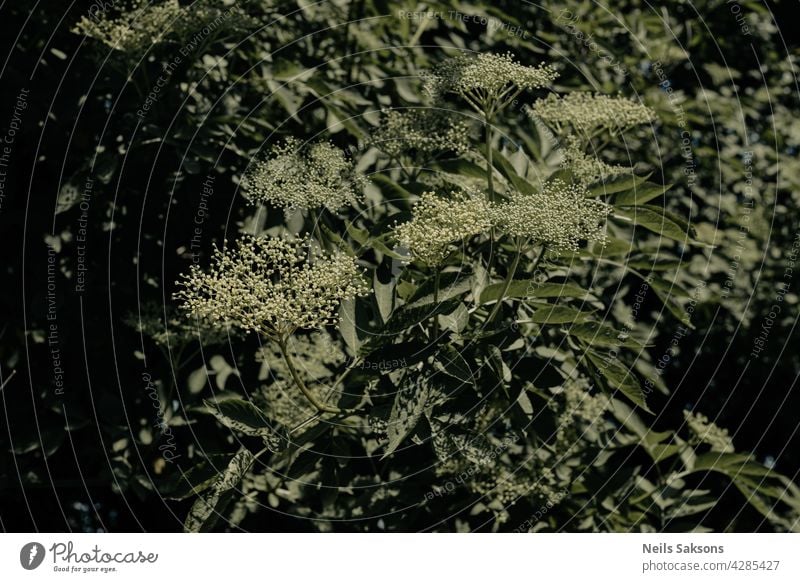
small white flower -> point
(559, 214)
(439, 222)
(271, 286)
(421, 134)
(487, 81)
(586, 112)
(294, 177)
(587, 168)
(139, 24)
(707, 432)
(135, 29)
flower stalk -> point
(310, 396)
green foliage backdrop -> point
(385, 266)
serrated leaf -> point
(599, 334)
(384, 295)
(532, 288)
(241, 415)
(669, 288)
(675, 309)
(196, 479)
(507, 170)
(451, 285)
(337, 240)
(410, 315)
(653, 264)
(462, 167)
(555, 314)
(359, 235)
(654, 221)
(391, 190)
(409, 405)
(205, 509)
(456, 321)
(617, 183)
(618, 376)
(453, 364)
(613, 247)
(347, 325)
(640, 194)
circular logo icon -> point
(31, 555)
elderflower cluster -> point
(271, 286)
(439, 222)
(422, 133)
(140, 26)
(587, 112)
(579, 416)
(586, 168)
(559, 214)
(580, 403)
(293, 177)
(488, 75)
(709, 433)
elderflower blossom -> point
(485, 75)
(140, 24)
(709, 433)
(580, 403)
(586, 168)
(292, 178)
(559, 214)
(587, 112)
(271, 286)
(137, 28)
(579, 414)
(439, 222)
(423, 133)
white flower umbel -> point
(271, 286)
(487, 81)
(709, 433)
(559, 215)
(135, 25)
(296, 177)
(585, 167)
(421, 134)
(140, 26)
(439, 222)
(587, 113)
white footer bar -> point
(397, 557)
